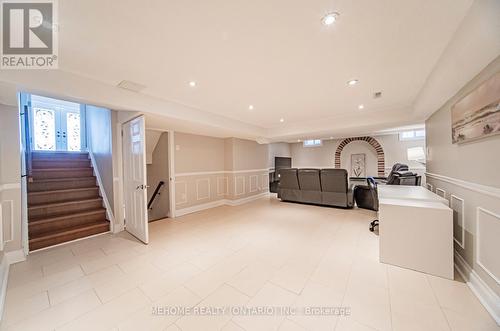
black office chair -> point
(366, 197)
(393, 178)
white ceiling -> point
(273, 54)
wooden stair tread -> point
(69, 231)
(45, 205)
(59, 159)
(50, 219)
(61, 169)
(62, 179)
(82, 189)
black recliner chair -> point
(400, 175)
(366, 197)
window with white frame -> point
(312, 143)
(412, 135)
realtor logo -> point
(29, 34)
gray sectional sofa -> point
(328, 187)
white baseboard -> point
(8, 259)
(203, 206)
(118, 228)
(15, 256)
(241, 201)
(217, 203)
(489, 299)
(4, 276)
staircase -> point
(63, 200)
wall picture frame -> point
(477, 115)
(358, 165)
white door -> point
(57, 125)
(134, 179)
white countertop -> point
(408, 193)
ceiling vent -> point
(131, 86)
(377, 95)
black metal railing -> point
(155, 194)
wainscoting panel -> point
(264, 182)
(203, 189)
(487, 243)
(441, 192)
(239, 185)
(458, 206)
(476, 229)
(254, 183)
(222, 186)
(180, 192)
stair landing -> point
(63, 200)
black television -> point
(282, 162)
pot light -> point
(192, 83)
(352, 82)
(250, 107)
(361, 107)
(282, 120)
(330, 18)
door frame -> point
(171, 172)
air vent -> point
(377, 95)
(131, 86)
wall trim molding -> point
(4, 271)
(443, 192)
(479, 188)
(218, 203)
(10, 186)
(241, 201)
(198, 181)
(109, 211)
(481, 290)
(480, 210)
(219, 172)
(462, 225)
(8, 259)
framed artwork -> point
(477, 115)
(358, 166)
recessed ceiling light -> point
(330, 18)
(282, 120)
(250, 107)
(352, 82)
(331, 137)
(361, 107)
(192, 83)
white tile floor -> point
(264, 253)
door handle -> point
(142, 187)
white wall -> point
(278, 150)
(158, 171)
(10, 178)
(324, 156)
(99, 143)
(468, 175)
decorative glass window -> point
(312, 143)
(412, 135)
(44, 129)
(73, 131)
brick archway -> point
(375, 144)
